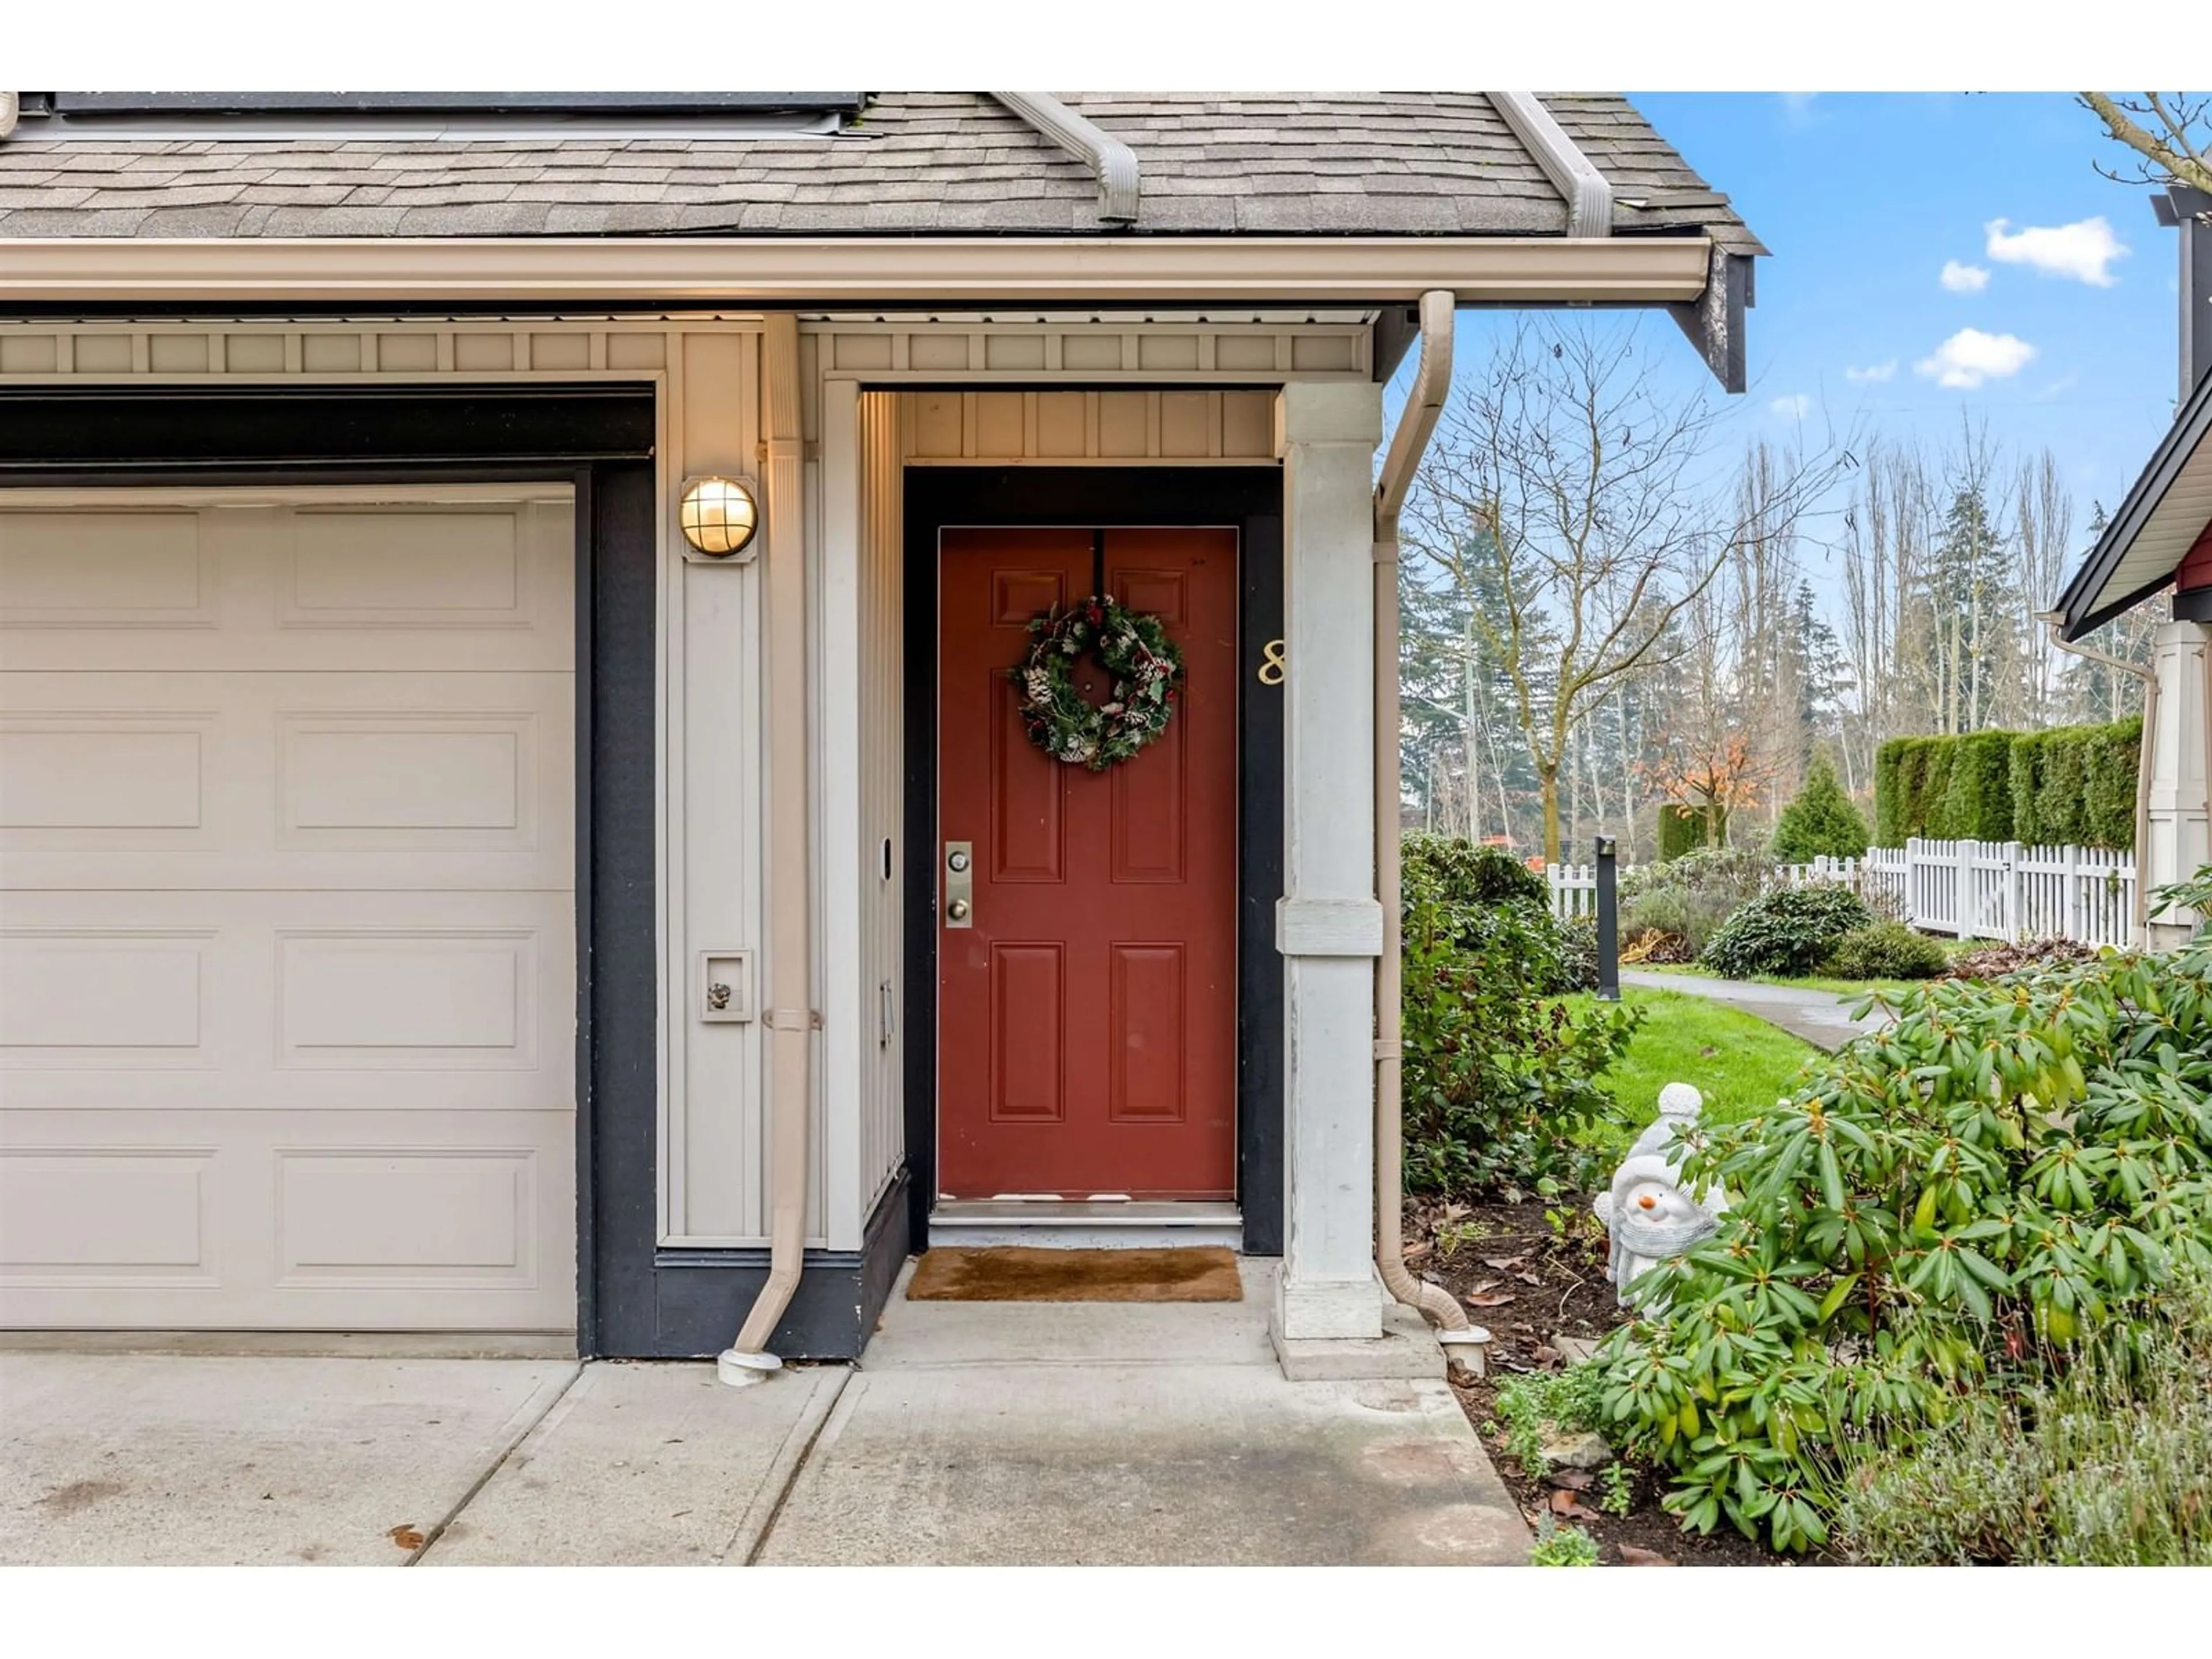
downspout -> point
(1432, 382)
(789, 1018)
(1588, 193)
(1112, 162)
(2055, 622)
(11, 107)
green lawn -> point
(1811, 982)
(1739, 1063)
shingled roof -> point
(943, 164)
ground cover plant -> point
(1940, 1216)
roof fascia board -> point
(826, 271)
(2084, 606)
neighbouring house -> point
(513, 815)
(2161, 538)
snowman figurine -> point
(1650, 1214)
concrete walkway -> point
(970, 1433)
(1823, 1019)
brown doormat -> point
(1023, 1273)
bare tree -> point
(1581, 487)
(2170, 132)
(2042, 543)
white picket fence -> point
(1968, 889)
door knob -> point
(958, 909)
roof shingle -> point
(1414, 164)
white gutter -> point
(2054, 623)
(1112, 162)
(790, 1017)
(1588, 195)
(780, 272)
(1431, 383)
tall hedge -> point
(2074, 785)
(1682, 830)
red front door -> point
(1087, 1015)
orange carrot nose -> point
(1648, 1202)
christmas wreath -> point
(1131, 647)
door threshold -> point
(1054, 1224)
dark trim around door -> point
(1249, 498)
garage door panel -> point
(262, 781)
(355, 585)
(220, 1220)
(281, 1001)
(287, 913)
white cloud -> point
(1964, 279)
(1794, 407)
(1970, 357)
(2083, 250)
(1872, 373)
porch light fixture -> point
(719, 516)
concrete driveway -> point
(971, 1433)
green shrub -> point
(1682, 830)
(1935, 1220)
(1792, 930)
(1499, 1081)
(2106, 1463)
(1978, 798)
(1886, 950)
(2072, 786)
(1691, 896)
(1821, 823)
(1458, 872)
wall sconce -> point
(719, 516)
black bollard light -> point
(1608, 925)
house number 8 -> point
(1271, 662)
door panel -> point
(1087, 1017)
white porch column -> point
(1328, 925)
(2180, 838)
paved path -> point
(970, 1432)
(1822, 1018)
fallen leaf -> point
(1487, 1299)
(1548, 1356)
(1505, 1264)
(1528, 1279)
(1566, 1502)
(1631, 1556)
(1457, 1212)
(1417, 1249)
(406, 1536)
(1571, 1479)
(1487, 1284)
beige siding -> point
(1099, 428)
(882, 795)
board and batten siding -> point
(880, 395)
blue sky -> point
(1863, 199)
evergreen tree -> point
(1821, 821)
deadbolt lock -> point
(959, 884)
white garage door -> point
(287, 871)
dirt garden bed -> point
(1530, 1273)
